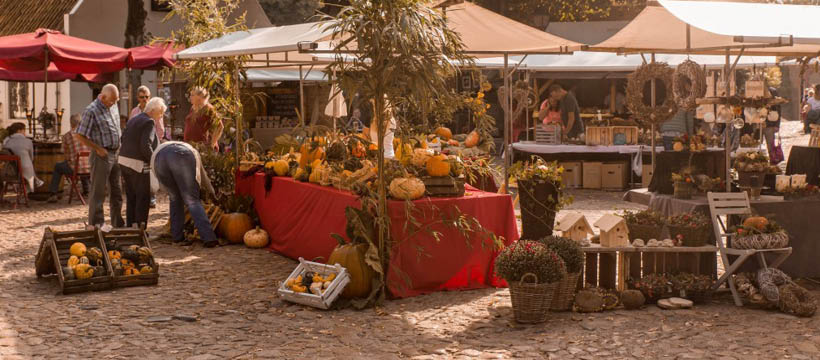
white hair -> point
(155, 103)
(110, 90)
(144, 89)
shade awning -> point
(270, 40)
(154, 57)
(582, 61)
(27, 52)
(285, 74)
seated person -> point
(22, 146)
(71, 147)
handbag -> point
(777, 151)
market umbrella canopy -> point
(154, 57)
(27, 52)
(54, 75)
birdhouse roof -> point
(570, 220)
(608, 222)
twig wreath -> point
(689, 84)
(635, 93)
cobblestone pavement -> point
(231, 293)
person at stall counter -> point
(21, 146)
(202, 125)
(178, 168)
(99, 129)
(812, 110)
(138, 143)
(71, 148)
(682, 123)
(572, 125)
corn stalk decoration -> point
(403, 49)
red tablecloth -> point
(300, 218)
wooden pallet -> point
(127, 237)
(53, 256)
(443, 186)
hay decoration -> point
(635, 93)
(690, 74)
(796, 300)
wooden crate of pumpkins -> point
(131, 257)
(77, 258)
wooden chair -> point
(729, 204)
(17, 185)
(76, 176)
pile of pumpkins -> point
(130, 260)
(238, 228)
(84, 262)
(311, 281)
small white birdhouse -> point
(614, 232)
(574, 226)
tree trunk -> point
(134, 36)
(382, 215)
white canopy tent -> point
(582, 61)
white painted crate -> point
(318, 301)
(548, 134)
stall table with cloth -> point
(796, 216)
(711, 162)
(805, 160)
(300, 217)
(616, 153)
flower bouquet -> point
(689, 229)
(758, 232)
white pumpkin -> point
(407, 188)
(256, 238)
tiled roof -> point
(23, 16)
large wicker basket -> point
(692, 236)
(565, 293)
(645, 232)
(531, 301)
(761, 241)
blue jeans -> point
(668, 142)
(60, 169)
(175, 167)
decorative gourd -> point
(146, 270)
(453, 142)
(68, 273)
(351, 257)
(131, 271)
(84, 260)
(472, 139)
(83, 271)
(301, 174)
(233, 226)
(145, 253)
(315, 174)
(407, 188)
(757, 222)
(130, 255)
(444, 133)
(95, 256)
(677, 146)
(126, 264)
(256, 238)
(420, 157)
(98, 270)
(438, 165)
(281, 167)
(116, 266)
(114, 255)
(73, 261)
(305, 157)
(77, 249)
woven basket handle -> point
(528, 275)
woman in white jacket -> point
(22, 146)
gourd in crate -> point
(352, 258)
(77, 249)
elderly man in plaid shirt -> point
(99, 129)
(71, 147)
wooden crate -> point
(124, 237)
(614, 176)
(572, 177)
(443, 186)
(53, 256)
(601, 267)
(548, 134)
(598, 135)
(624, 135)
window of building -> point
(18, 99)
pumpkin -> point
(83, 271)
(407, 188)
(146, 270)
(116, 266)
(357, 149)
(315, 174)
(420, 157)
(126, 264)
(444, 133)
(130, 255)
(438, 165)
(73, 261)
(305, 157)
(114, 255)
(757, 222)
(131, 271)
(98, 270)
(452, 142)
(472, 139)
(677, 146)
(233, 226)
(351, 257)
(301, 175)
(145, 253)
(256, 238)
(95, 255)
(281, 167)
(68, 273)
(77, 249)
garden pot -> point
(539, 201)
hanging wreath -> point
(689, 84)
(635, 94)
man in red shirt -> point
(71, 147)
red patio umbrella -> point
(54, 75)
(154, 57)
(31, 51)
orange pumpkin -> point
(452, 142)
(757, 222)
(358, 150)
(305, 157)
(444, 133)
(351, 257)
(472, 139)
(437, 165)
(233, 227)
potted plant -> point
(645, 224)
(684, 184)
(751, 168)
(689, 229)
(570, 251)
(541, 194)
(532, 271)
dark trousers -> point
(64, 169)
(175, 167)
(105, 172)
(137, 196)
(668, 143)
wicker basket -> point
(531, 301)
(645, 232)
(683, 190)
(565, 293)
(698, 236)
(776, 240)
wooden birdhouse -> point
(614, 232)
(574, 226)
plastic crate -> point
(318, 301)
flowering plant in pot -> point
(684, 183)
(541, 193)
(645, 224)
(689, 229)
(532, 271)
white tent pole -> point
(302, 96)
(727, 148)
(507, 129)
